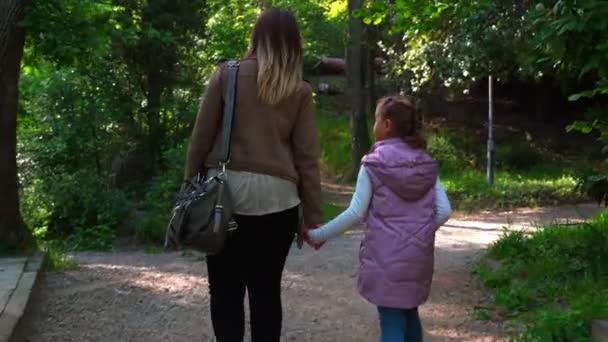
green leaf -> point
(593, 64)
(589, 93)
(360, 13)
(576, 97)
(584, 127)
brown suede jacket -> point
(279, 140)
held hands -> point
(309, 241)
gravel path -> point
(132, 296)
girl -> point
(399, 193)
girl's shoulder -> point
(396, 155)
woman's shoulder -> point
(304, 89)
(248, 66)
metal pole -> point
(490, 169)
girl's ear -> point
(388, 124)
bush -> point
(56, 257)
(335, 137)
(596, 187)
(72, 203)
(446, 154)
(511, 245)
(160, 195)
(517, 156)
(96, 238)
(449, 151)
(152, 229)
(553, 281)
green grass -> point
(57, 260)
(334, 134)
(469, 190)
(331, 210)
(550, 284)
(152, 250)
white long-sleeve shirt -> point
(359, 205)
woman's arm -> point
(205, 127)
(355, 213)
(443, 209)
(306, 153)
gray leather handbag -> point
(202, 216)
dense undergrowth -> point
(551, 283)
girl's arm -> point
(360, 203)
(443, 209)
(350, 217)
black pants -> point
(253, 260)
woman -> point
(274, 169)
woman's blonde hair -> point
(277, 45)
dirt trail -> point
(132, 296)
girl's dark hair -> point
(406, 122)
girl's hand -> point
(309, 241)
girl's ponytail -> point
(407, 123)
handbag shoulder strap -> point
(229, 105)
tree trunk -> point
(154, 94)
(355, 73)
(369, 70)
(13, 232)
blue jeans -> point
(400, 325)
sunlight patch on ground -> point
(154, 280)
